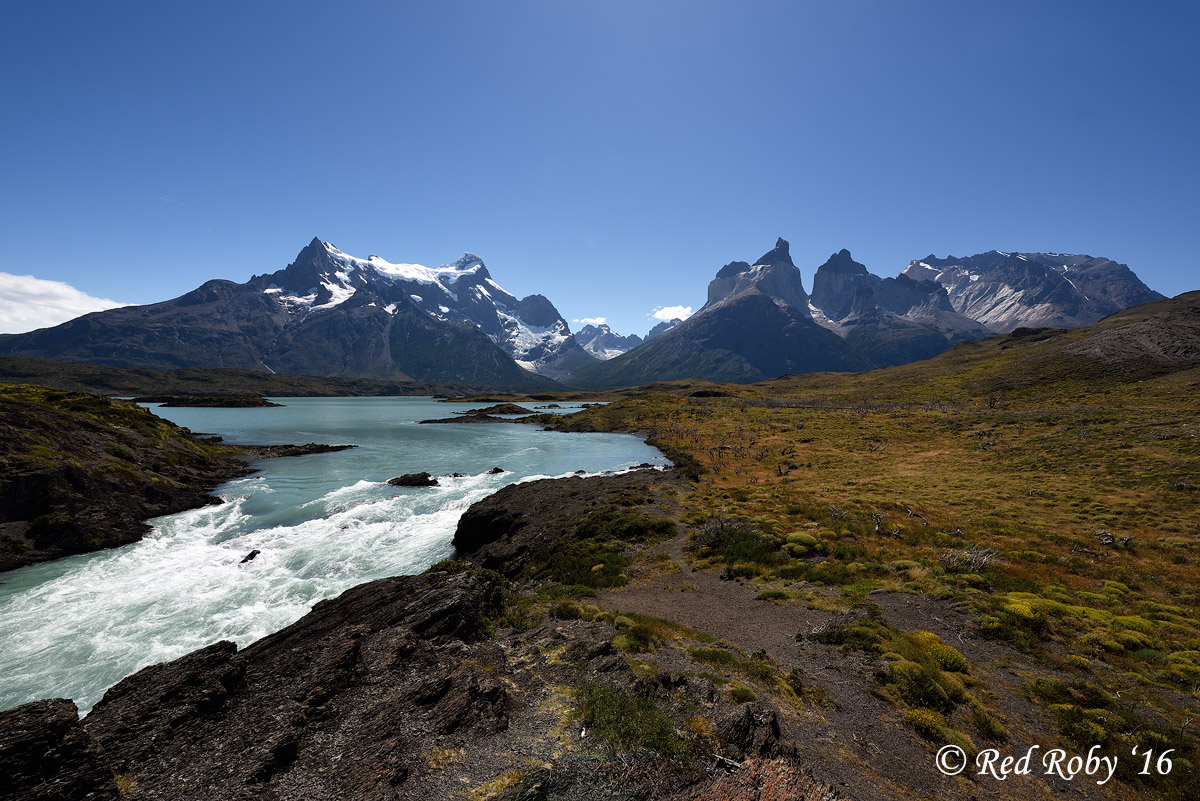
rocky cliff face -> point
(888, 321)
(759, 322)
(773, 275)
(1004, 291)
(755, 325)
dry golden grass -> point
(1085, 480)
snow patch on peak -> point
(462, 291)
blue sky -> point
(611, 156)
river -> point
(322, 523)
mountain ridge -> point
(876, 322)
(331, 314)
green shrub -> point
(949, 658)
(928, 723)
(589, 564)
(624, 526)
(636, 639)
(988, 726)
(1077, 727)
(917, 685)
(625, 720)
(737, 542)
(741, 694)
(566, 610)
(856, 635)
(932, 726)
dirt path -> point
(853, 740)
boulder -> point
(414, 480)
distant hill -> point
(1160, 338)
(128, 381)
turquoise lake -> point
(322, 523)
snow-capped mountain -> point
(603, 343)
(760, 323)
(1003, 291)
(329, 313)
(530, 329)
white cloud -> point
(27, 303)
(671, 313)
(591, 320)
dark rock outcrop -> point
(253, 452)
(414, 480)
(500, 408)
(209, 401)
(752, 729)
(466, 418)
(45, 755)
(359, 684)
(504, 530)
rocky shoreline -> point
(424, 687)
(83, 473)
(411, 687)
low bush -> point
(624, 526)
(741, 694)
(625, 720)
(589, 564)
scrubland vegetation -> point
(1053, 497)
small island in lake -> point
(214, 401)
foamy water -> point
(321, 523)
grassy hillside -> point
(1046, 483)
(105, 380)
(79, 472)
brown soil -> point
(852, 738)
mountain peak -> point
(779, 254)
(843, 262)
(774, 275)
(733, 268)
(466, 261)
